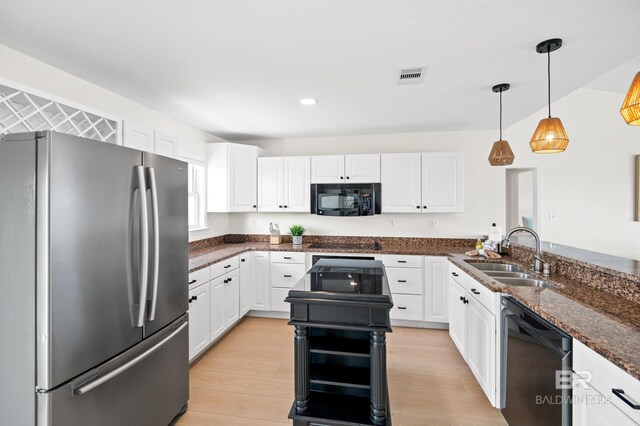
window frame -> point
(201, 190)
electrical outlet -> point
(434, 223)
(392, 222)
(552, 217)
(252, 223)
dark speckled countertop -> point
(606, 322)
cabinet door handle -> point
(424, 207)
(287, 276)
(474, 291)
(288, 257)
(347, 177)
(190, 299)
(417, 207)
(227, 266)
(402, 261)
(242, 260)
(226, 281)
(341, 177)
(402, 281)
(285, 207)
(402, 307)
(254, 206)
(466, 301)
(192, 281)
(455, 274)
(280, 206)
(620, 394)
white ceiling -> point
(237, 68)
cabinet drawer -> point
(198, 277)
(277, 300)
(287, 257)
(401, 261)
(286, 275)
(476, 290)
(606, 376)
(407, 307)
(223, 267)
(405, 280)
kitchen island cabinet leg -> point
(302, 369)
(378, 377)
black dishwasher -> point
(536, 369)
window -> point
(197, 208)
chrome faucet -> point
(538, 265)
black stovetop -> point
(346, 246)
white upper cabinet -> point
(270, 184)
(284, 184)
(442, 182)
(138, 137)
(232, 177)
(297, 184)
(401, 183)
(327, 169)
(149, 140)
(429, 182)
(165, 145)
(363, 168)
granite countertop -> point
(608, 324)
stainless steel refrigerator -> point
(93, 283)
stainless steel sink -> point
(506, 274)
(506, 267)
(525, 282)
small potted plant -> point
(297, 231)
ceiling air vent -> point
(414, 75)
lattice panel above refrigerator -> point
(24, 112)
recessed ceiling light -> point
(308, 101)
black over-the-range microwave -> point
(354, 199)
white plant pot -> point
(297, 240)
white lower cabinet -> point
(404, 274)
(606, 394)
(225, 302)
(473, 310)
(247, 283)
(199, 309)
(262, 284)
(436, 278)
(287, 268)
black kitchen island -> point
(340, 311)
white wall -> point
(589, 187)
(27, 71)
(484, 187)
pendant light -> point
(630, 109)
(501, 153)
(550, 136)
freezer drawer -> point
(147, 385)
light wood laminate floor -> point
(247, 379)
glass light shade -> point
(501, 154)
(549, 137)
(630, 108)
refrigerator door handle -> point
(86, 387)
(156, 243)
(144, 256)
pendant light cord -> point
(500, 114)
(549, 80)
